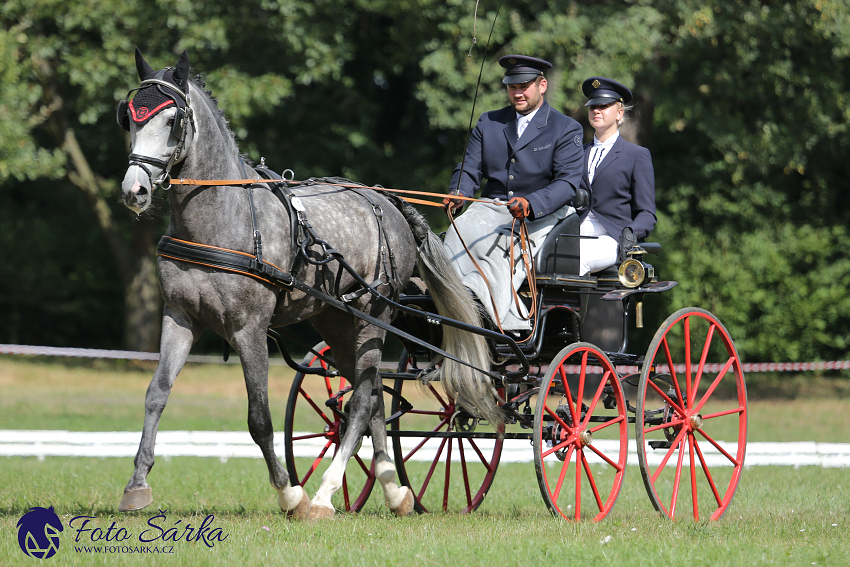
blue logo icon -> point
(38, 532)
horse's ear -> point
(181, 72)
(142, 66)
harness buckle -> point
(164, 181)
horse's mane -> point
(201, 83)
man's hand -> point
(454, 204)
(519, 207)
(627, 241)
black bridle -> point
(178, 130)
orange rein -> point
(226, 182)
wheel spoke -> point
(720, 376)
(313, 405)
(567, 393)
(345, 496)
(431, 470)
(596, 397)
(666, 398)
(481, 457)
(438, 396)
(693, 472)
(671, 423)
(677, 478)
(671, 368)
(316, 461)
(601, 455)
(557, 447)
(608, 423)
(591, 481)
(447, 479)
(707, 474)
(564, 468)
(717, 446)
(688, 390)
(557, 418)
(669, 454)
(362, 464)
(702, 360)
(413, 451)
(722, 413)
(465, 471)
(578, 484)
(308, 436)
(580, 392)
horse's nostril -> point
(142, 191)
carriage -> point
(248, 254)
(573, 401)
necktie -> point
(520, 126)
(595, 158)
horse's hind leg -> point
(356, 349)
(176, 342)
(253, 352)
(399, 499)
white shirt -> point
(522, 121)
(598, 153)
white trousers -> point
(595, 253)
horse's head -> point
(162, 129)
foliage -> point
(743, 104)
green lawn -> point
(780, 515)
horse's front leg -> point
(253, 352)
(175, 344)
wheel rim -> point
(580, 457)
(691, 422)
(445, 474)
(313, 432)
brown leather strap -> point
(229, 182)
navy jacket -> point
(623, 190)
(544, 166)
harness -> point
(255, 266)
(178, 128)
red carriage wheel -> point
(436, 453)
(691, 422)
(580, 434)
(315, 423)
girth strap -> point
(223, 259)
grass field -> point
(780, 515)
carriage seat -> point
(560, 253)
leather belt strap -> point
(227, 182)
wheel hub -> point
(695, 421)
(585, 437)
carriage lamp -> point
(631, 273)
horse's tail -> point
(470, 388)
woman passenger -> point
(619, 177)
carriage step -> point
(660, 444)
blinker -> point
(122, 114)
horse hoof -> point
(302, 510)
(406, 506)
(318, 512)
(135, 499)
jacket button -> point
(510, 176)
(513, 160)
(510, 193)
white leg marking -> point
(385, 473)
(289, 497)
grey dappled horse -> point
(241, 309)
